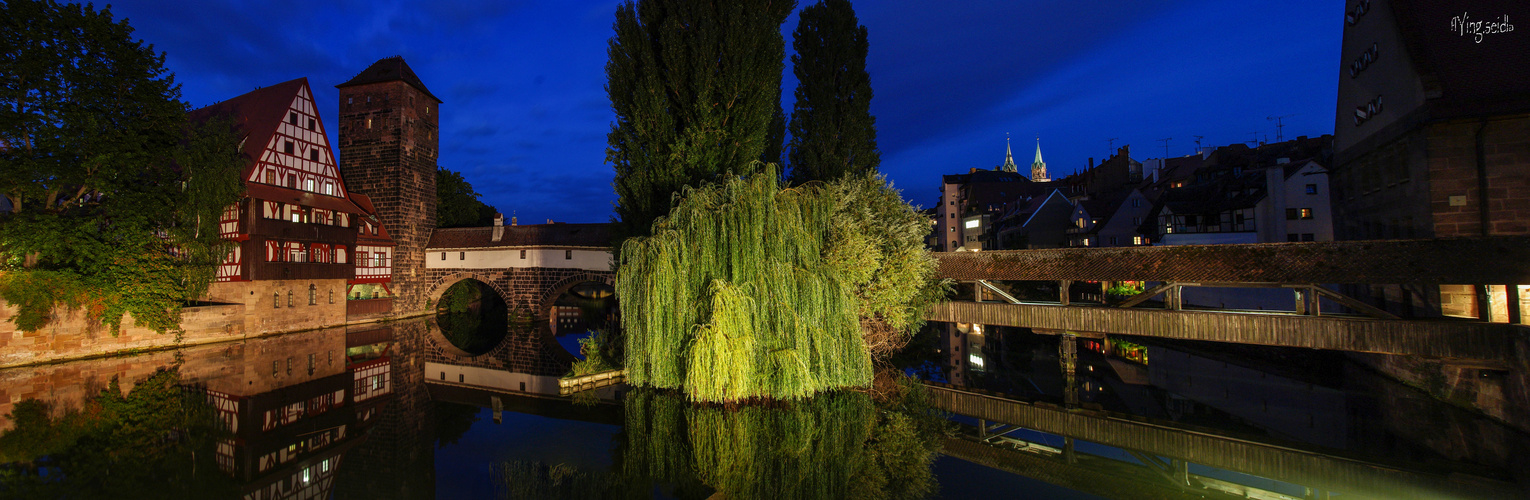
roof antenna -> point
(1198, 143)
(1166, 146)
(1279, 137)
(1112, 142)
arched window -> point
(331, 296)
(289, 297)
(276, 300)
(313, 295)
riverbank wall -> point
(1499, 392)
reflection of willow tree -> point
(472, 317)
(836, 445)
(154, 442)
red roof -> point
(256, 114)
(367, 210)
(389, 69)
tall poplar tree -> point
(833, 132)
(695, 85)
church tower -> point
(1038, 167)
(388, 150)
(1009, 158)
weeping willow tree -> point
(838, 445)
(747, 290)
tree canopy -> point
(457, 204)
(115, 197)
(833, 132)
(695, 86)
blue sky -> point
(526, 114)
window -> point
(1112, 241)
(276, 300)
(1136, 221)
(310, 124)
(331, 300)
(952, 203)
(1136, 202)
(329, 188)
(1086, 242)
(973, 223)
(443, 255)
(1292, 237)
(297, 216)
(568, 255)
(1308, 237)
(1136, 240)
(1312, 189)
(287, 147)
(523, 254)
(369, 123)
(271, 177)
(291, 178)
(311, 363)
(461, 255)
(308, 185)
(313, 295)
(292, 118)
(953, 216)
(1306, 213)
(1291, 214)
(952, 229)
(276, 368)
(313, 154)
(289, 298)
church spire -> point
(1009, 158)
(1039, 168)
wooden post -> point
(1315, 307)
(1301, 301)
(1511, 296)
(1484, 303)
(1068, 352)
(1068, 453)
(1062, 293)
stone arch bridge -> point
(530, 267)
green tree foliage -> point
(748, 291)
(833, 132)
(695, 86)
(838, 445)
(115, 196)
(457, 204)
(154, 442)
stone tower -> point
(388, 149)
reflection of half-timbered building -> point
(299, 229)
(288, 442)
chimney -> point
(1091, 162)
(499, 227)
(512, 220)
(499, 220)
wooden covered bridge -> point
(1490, 270)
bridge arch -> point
(529, 295)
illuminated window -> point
(1306, 213)
(973, 223)
(297, 216)
(1136, 240)
(977, 361)
(308, 186)
(313, 295)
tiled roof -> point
(548, 235)
(382, 237)
(256, 115)
(387, 70)
(1494, 260)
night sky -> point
(525, 115)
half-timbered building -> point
(302, 235)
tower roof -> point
(389, 69)
(1009, 158)
(1038, 153)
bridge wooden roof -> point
(532, 235)
(1491, 260)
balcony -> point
(305, 232)
(299, 271)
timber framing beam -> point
(1436, 338)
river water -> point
(394, 411)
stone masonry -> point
(388, 149)
(529, 294)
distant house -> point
(1110, 220)
(1042, 222)
(971, 202)
(1250, 195)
